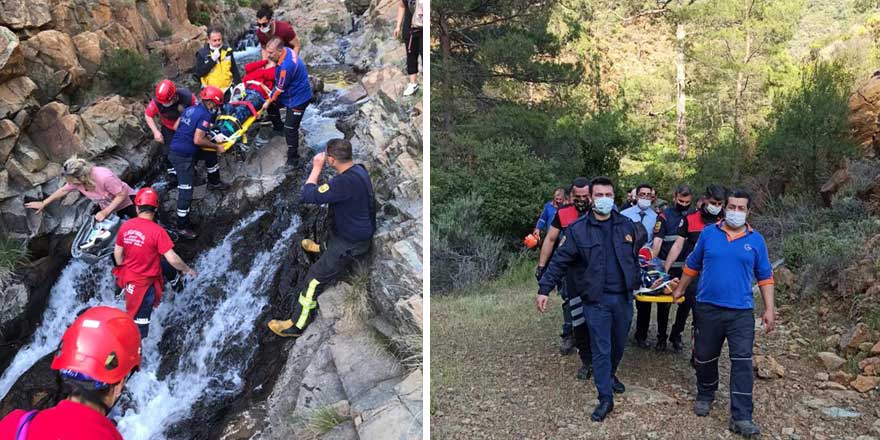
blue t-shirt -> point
(292, 86)
(193, 118)
(727, 265)
(546, 216)
(615, 281)
(350, 196)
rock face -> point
(16, 95)
(17, 14)
(863, 117)
(51, 61)
(11, 58)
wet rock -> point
(18, 14)
(51, 61)
(768, 368)
(863, 384)
(830, 360)
(17, 94)
(11, 57)
(13, 300)
(856, 335)
(8, 137)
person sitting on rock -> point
(96, 355)
(351, 199)
(144, 256)
(247, 97)
(215, 63)
(267, 28)
(186, 150)
(168, 104)
(292, 91)
(410, 18)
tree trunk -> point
(680, 109)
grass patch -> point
(356, 306)
(323, 420)
(410, 349)
(165, 30)
(12, 252)
(131, 73)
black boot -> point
(292, 157)
(566, 346)
(602, 410)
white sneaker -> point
(410, 89)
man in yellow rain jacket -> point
(215, 65)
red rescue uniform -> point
(143, 242)
(66, 421)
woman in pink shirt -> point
(99, 184)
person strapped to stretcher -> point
(244, 103)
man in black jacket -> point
(215, 64)
(606, 246)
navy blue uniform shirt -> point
(193, 118)
(350, 196)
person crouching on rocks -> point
(186, 150)
(352, 201)
(140, 269)
(95, 358)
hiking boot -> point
(292, 160)
(219, 186)
(566, 346)
(584, 373)
(186, 233)
(676, 344)
(643, 343)
(410, 89)
(617, 386)
(745, 428)
(310, 246)
(285, 329)
(660, 346)
(602, 410)
(702, 407)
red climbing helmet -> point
(211, 93)
(103, 344)
(146, 196)
(165, 91)
(530, 241)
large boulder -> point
(88, 50)
(55, 131)
(120, 118)
(8, 137)
(17, 94)
(11, 58)
(179, 50)
(18, 14)
(863, 116)
(51, 61)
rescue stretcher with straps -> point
(240, 134)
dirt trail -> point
(497, 373)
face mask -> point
(712, 209)
(735, 218)
(644, 204)
(265, 29)
(213, 48)
(581, 205)
(603, 205)
(681, 208)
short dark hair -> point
(644, 185)
(94, 392)
(214, 30)
(339, 149)
(264, 12)
(580, 182)
(717, 192)
(740, 193)
(684, 190)
(601, 180)
(145, 208)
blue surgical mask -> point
(603, 205)
(735, 219)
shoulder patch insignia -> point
(657, 227)
(628, 238)
(323, 188)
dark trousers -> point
(683, 310)
(608, 321)
(566, 310)
(167, 134)
(738, 327)
(292, 120)
(336, 258)
(185, 168)
(145, 311)
(413, 50)
(643, 316)
(580, 331)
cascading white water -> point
(319, 124)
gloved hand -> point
(539, 271)
(220, 138)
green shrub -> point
(201, 18)
(324, 419)
(165, 31)
(131, 73)
(12, 252)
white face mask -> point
(603, 205)
(265, 29)
(644, 204)
(735, 218)
(712, 209)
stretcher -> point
(657, 298)
(91, 244)
(240, 128)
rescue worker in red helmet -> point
(97, 354)
(186, 149)
(141, 245)
(168, 103)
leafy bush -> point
(463, 252)
(131, 73)
(201, 18)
